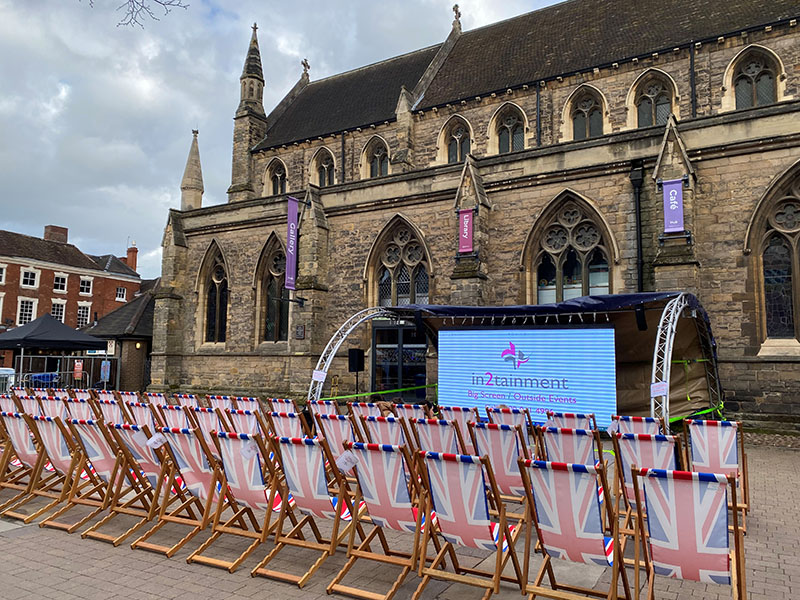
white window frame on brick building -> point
(122, 294)
(3, 271)
(84, 307)
(33, 303)
(60, 312)
(2, 297)
(86, 282)
(64, 279)
(29, 273)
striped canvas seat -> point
(625, 424)
(109, 395)
(644, 451)
(243, 420)
(98, 451)
(438, 435)
(324, 407)
(510, 416)
(687, 521)
(567, 445)
(155, 398)
(286, 424)
(146, 457)
(504, 446)
(53, 406)
(570, 420)
(206, 419)
(173, 416)
(79, 408)
(385, 430)
(30, 405)
(186, 399)
(411, 411)
(111, 411)
(7, 403)
(83, 394)
(461, 415)
(220, 402)
(336, 429)
(363, 409)
(60, 392)
(286, 405)
(56, 444)
(141, 413)
(19, 452)
(192, 461)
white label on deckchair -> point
(319, 375)
(249, 449)
(156, 441)
(140, 438)
(346, 461)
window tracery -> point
(754, 81)
(587, 116)
(324, 168)
(653, 103)
(274, 298)
(402, 275)
(510, 131)
(458, 142)
(216, 298)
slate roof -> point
(134, 319)
(353, 99)
(26, 246)
(112, 264)
(557, 40)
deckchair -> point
(303, 464)
(247, 403)
(111, 411)
(511, 416)
(154, 398)
(457, 486)
(566, 510)
(287, 425)
(124, 397)
(21, 463)
(192, 467)
(323, 407)
(562, 444)
(58, 449)
(39, 392)
(244, 460)
(285, 405)
(53, 406)
(438, 435)
(208, 420)
(359, 409)
(29, 405)
(220, 402)
(102, 465)
(78, 408)
(146, 465)
(387, 492)
(143, 413)
(387, 430)
(461, 415)
(243, 420)
(571, 420)
(687, 528)
(642, 450)
(60, 393)
(648, 425)
(336, 429)
(412, 411)
(7, 403)
(82, 394)
(172, 416)
(718, 447)
(504, 445)
(186, 399)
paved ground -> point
(45, 563)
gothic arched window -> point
(216, 299)
(324, 168)
(402, 275)
(653, 103)
(458, 142)
(274, 297)
(587, 116)
(571, 259)
(780, 260)
(377, 155)
(510, 131)
(754, 81)
(277, 178)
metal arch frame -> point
(662, 357)
(326, 358)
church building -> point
(557, 133)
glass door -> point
(398, 359)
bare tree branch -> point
(138, 11)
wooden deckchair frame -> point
(325, 546)
(23, 478)
(259, 530)
(488, 580)
(185, 512)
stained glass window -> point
(778, 288)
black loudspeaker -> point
(641, 320)
(355, 360)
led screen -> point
(559, 369)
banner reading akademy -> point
(465, 230)
(673, 205)
(291, 243)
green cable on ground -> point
(408, 389)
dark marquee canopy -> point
(48, 333)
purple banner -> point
(673, 205)
(465, 230)
(291, 243)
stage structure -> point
(652, 333)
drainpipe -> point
(342, 161)
(538, 114)
(692, 83)
(637, 177)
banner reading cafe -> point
(502, 166)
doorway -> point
(398, 359)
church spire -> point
(252, 64)
(192, 182)
(252, 79)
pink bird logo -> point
(511, 354)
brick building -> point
(556, 128)
(50, 275)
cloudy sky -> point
(96, 120)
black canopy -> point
(48, 333)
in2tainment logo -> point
(516, 357)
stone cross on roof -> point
(456, 12)
(306, 66)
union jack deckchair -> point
(384, 488)
(504, 445)
(456, 488)
(143, 413)
(366, 409)
(566, 510)
(53, 406)
(111, 395)
(79, 408)
(570, 420)
(22, 463)
(173, 416)
(461, 415)
(244, 420)
(285, 405)
(336, 429)
(59, 451)
(111, 411)
(7, 403)
(82, 394)
(438, 435)
(303, 464)
(648, 425)
(146, 465)
(192, 467)
(323, 407)
(247, 403)
(562, 444)
(60, 393)
(244, 461)
(687, 528)
(643, 451)
(412, 411)
(220, 402)
(511, 416)
(718, 447)
(39, 392)
(287, 424)
(29, 405)
(102, 466)
(154, 398)
(186, 399)
(387, 430)
(208, 420)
